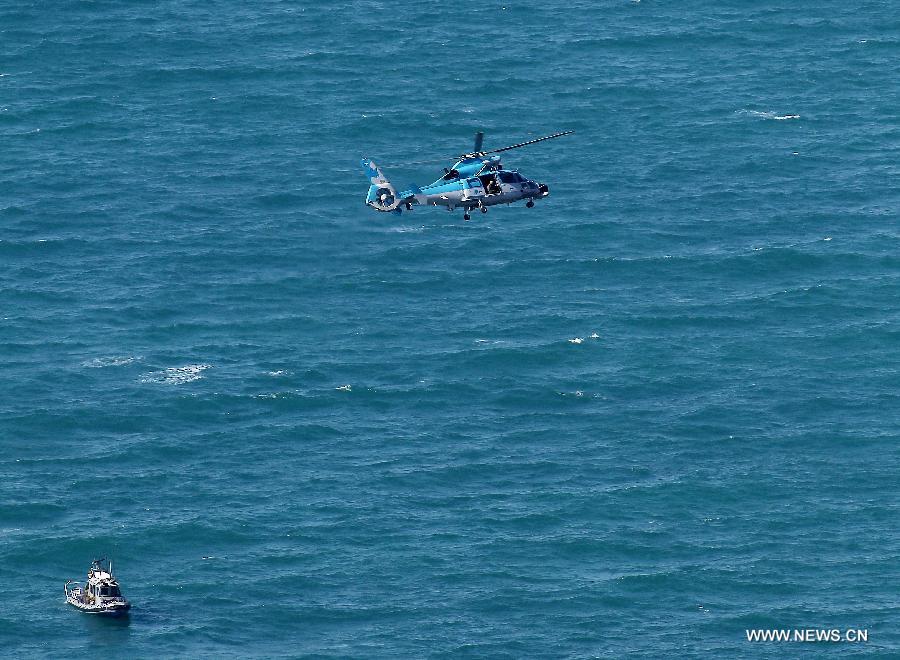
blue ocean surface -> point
(655, 411)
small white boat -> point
(100, 594)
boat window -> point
(104, 591)
(507, 177)
(114, 591)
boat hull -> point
(117, 610)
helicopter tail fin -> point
(382, 194)
(376, 176)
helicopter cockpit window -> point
(507, 177)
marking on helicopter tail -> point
(371, 170)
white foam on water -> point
(576, 340)
(580, 394)
(176, 375)
(110, 361)
(280, 372)
(769, 115)
(343, 388)
(594, 335)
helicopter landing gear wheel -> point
(466, 216)
(530, 203)
(484, 209)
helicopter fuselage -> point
(471, 187)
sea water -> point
(653, 412)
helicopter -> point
(476, 180)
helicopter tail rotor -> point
(382, 194)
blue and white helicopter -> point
(477, 180)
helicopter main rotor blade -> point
(479, 140)
(524, 144)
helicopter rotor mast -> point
(479, 140)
